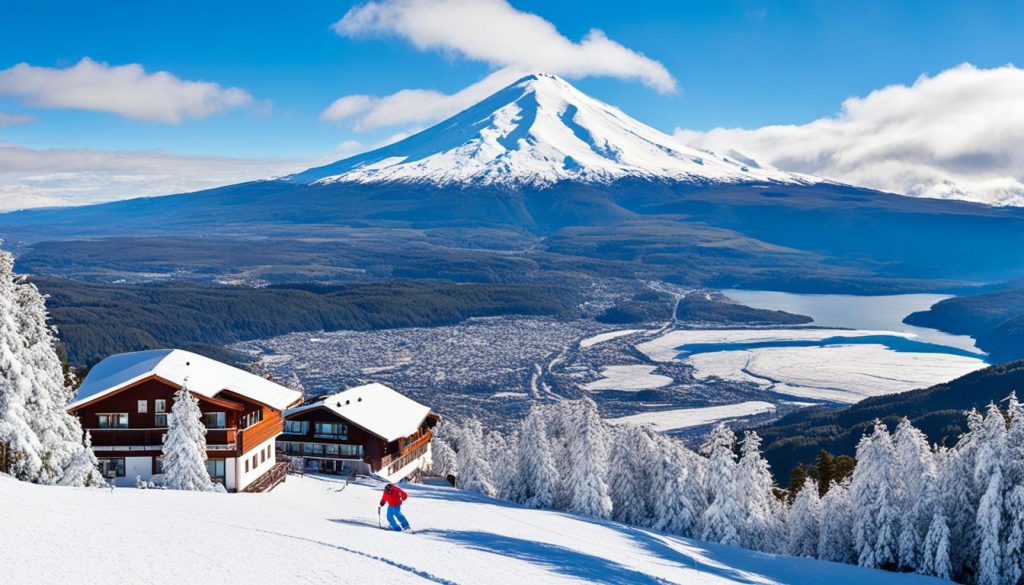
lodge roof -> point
(206, 377)
(375, 407)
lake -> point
(885, 312)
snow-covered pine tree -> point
(935, 550)
(835, 533)
(184, 447)
(538, 474)
(475, 473)
(804, 521)
(60, 433)
(631, 474)
(503, 457)
(988, 480)
(294, 383)
(754, 487)
(1013, 481)
(723, 518)
(679, 501)
(958, 497)
(559, 418)
(443, 446)
(915, 491)
(20, 449)
(588, 462)
(872, 499)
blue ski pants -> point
(395, 516)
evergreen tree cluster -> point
(39, 440)
(952, 512)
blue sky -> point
(736, 64)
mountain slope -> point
(536, 132)
(317, 530)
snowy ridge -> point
(537, 132)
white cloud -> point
(126, 90)
(349, 148)
(491, 31)
(14, 119)
(55, 177)
(955, 135)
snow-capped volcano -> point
(536, 132)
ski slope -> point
(318, 530)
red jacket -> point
(395, 497)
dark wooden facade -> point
(247, 423)
(374, 451)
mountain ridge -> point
(537, 132)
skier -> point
(394, 496)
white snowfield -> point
(684, 418)
(537, 132)
(608, 336)
(841, 373)
(628, 379)
(317, 530)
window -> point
(296, 427)
(160, 419)
(159, 465)
(117, 420)
(254, 461)
(247, 466)
(160, 405)
(143, 406)
(249, 419)
(263, 455)
(214, 420)
(111, 468)
(331, 430)
(215, 467)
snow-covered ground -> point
(318, 530)
(683, 418)
(602, 337)
(844, 373)
(628, 379)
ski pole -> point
(378, 518)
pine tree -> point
(1013, 478)
(588, 462)
(443, 441)
(935, 554)
(539, 477)
(755, 489)
(825, 466)
(631, 474)
(294, 383)
(39, 440)
(184, 447)
(502, 453)
(679, 501)
(915, 480)
(875, 522)
(804, 522)
(835, 532)
(959, 496)
(722, 520)
(475, 473)
(988, 480)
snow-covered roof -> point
(376, 408)
(206, 377)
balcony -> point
(152, 439)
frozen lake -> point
(884, 313)
(856, 347)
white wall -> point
(244, 478)
(135, 467)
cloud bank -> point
(515, 43)
(956, 135)
(14, 119)
(125, 90)
(58, 177)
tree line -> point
(953, 512)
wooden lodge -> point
(366, 429)
(126, 399)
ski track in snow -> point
(315, 530)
